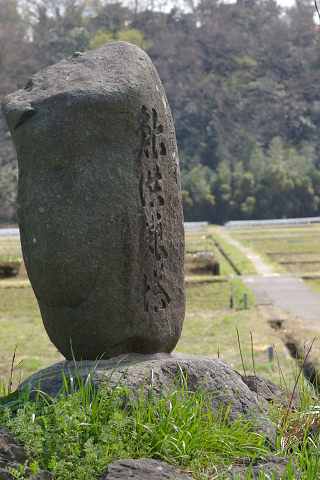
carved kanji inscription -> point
(152, 200)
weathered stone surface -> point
(272, 466)
(13, 455)
(222, 385)
(143, 469)
(99, 203)
(268, 391)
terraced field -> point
(292, 249)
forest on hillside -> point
(242, 80)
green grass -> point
(208, 309)
(21, 325)
(213, 333)
(210, 328)
(214, 293)
(10, 248)
(20, 320)
(77, 434)
(313, 283)
(210, 325)
(201, 242)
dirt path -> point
(261, 267)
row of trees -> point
(242, 80)
(273, 183)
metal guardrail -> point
(195, 225)
(273, 222)
(7, 232)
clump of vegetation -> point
(78, 433)
(201, 263)
(9, 269)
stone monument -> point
(100, 215)
(99, 203)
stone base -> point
(249, 396)
(223, 385)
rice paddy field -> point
(291, 249)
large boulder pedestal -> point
(223, 387)
(99, 203)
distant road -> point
(286, 291)
(9, 231)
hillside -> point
(242, 80)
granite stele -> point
(99, 203)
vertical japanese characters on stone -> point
(156, 296)
(100, 209)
